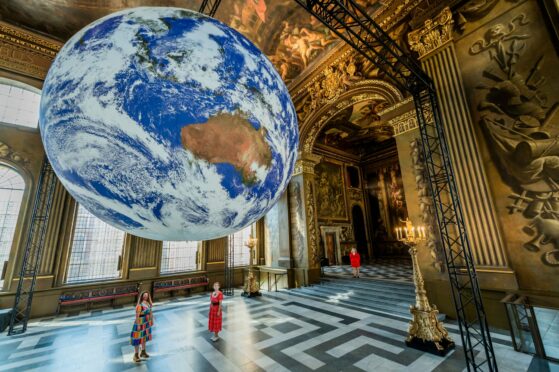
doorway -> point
(359, 231)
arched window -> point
(179, 257)
(241, 253)
(19, 104)
(96, 249)
(12, 186)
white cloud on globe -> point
(168, 124)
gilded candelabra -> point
(252, 287)
(426, 332)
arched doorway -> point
(358, 221)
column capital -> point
(305, 163)
(434, 34)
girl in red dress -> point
(216, 316)
(355, 260)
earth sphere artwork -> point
(168, 124)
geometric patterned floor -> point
(276, 332)
(394, 268)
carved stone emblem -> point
(6, 152)
(426, 204)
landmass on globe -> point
(230, 138)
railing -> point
(525, 330)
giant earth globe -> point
(168, 124)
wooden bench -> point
(88, 296)
(5, 317)
(172, 285)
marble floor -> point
(275, 332)
(397, 269)
(548, 323)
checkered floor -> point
(394, 268)
(275, 332)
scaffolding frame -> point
(34, 247)
(353, 25)
(209, 7)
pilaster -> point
(436, 51)
(304, 224)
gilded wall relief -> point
(520, 117)
(314, 259)
(26, 53)
(346, 234)
(330, 192)
(329, 85)
(426, 204)
(355, 196)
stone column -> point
(436, 51)
(276, 235)
(303, 219)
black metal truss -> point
(33, 250)
(209, 7)
(353, 25)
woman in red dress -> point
(355, 260)
(216, 316)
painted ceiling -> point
(356, 128)
(283, 30)
(292, 39)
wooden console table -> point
(272, 271)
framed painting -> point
(330, 192)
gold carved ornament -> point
(425, 325)
(6, 152)
(329, 85)
(434, 33)
(314, 258)
(26, 53)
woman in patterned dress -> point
(216, 316)
(141, 331)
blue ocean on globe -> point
(168, 124)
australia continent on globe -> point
(230, 139)
(168, 124)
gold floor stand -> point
(426, 332)
(251, 289)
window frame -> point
(197, 260)
(26, 87)
(252, 228)
(120, 259)
(18, 228)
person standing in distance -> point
(355, 260)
